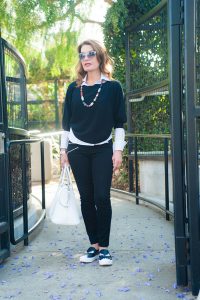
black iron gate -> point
(4, 215)
(15, 154)
(185, 104)
(172, 30)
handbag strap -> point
(65, 177)
(68, 175)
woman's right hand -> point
(64, 159)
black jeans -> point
(92, 169)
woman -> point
(94, 105)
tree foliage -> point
(43, 31)
(120, 15)
(148, 59)
(58, 60)
(27, 17)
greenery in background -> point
(152, 114)
(121, 14)
(44, 33)
(149, 65)
(42, 116)
(58, 60)
(156, 110)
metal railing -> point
(134, 156)
(139, 148)
(26, 228)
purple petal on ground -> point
(147, 283)
(73, 266)
(137, 261)
(139, 270)
(98, 293)
(26, 265)
(175, 285)
(63, 285)
(55, 297)
(48, 275)
(150, 276)
(124, 289)
(86, 292)
(181, 296)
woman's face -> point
(89, 63)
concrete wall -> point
(152, 177)
(36, 161)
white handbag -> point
(64, 210)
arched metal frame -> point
(8, 128)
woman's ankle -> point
(96, 246)
(102, 248)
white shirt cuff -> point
(64, 140)
(119, 142)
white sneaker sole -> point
(105, 262)
(85, 259)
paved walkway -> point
(142, 245)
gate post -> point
(192, 119)
(176, 90)
(128, 109)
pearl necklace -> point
(95, 98)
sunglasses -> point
(89, 54)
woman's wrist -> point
(63, 151)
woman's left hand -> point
(117, 160)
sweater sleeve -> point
(67, 108)
(119, 111)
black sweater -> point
(94, 124)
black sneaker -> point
(90, 256)
(105, 259)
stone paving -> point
(142, 245)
